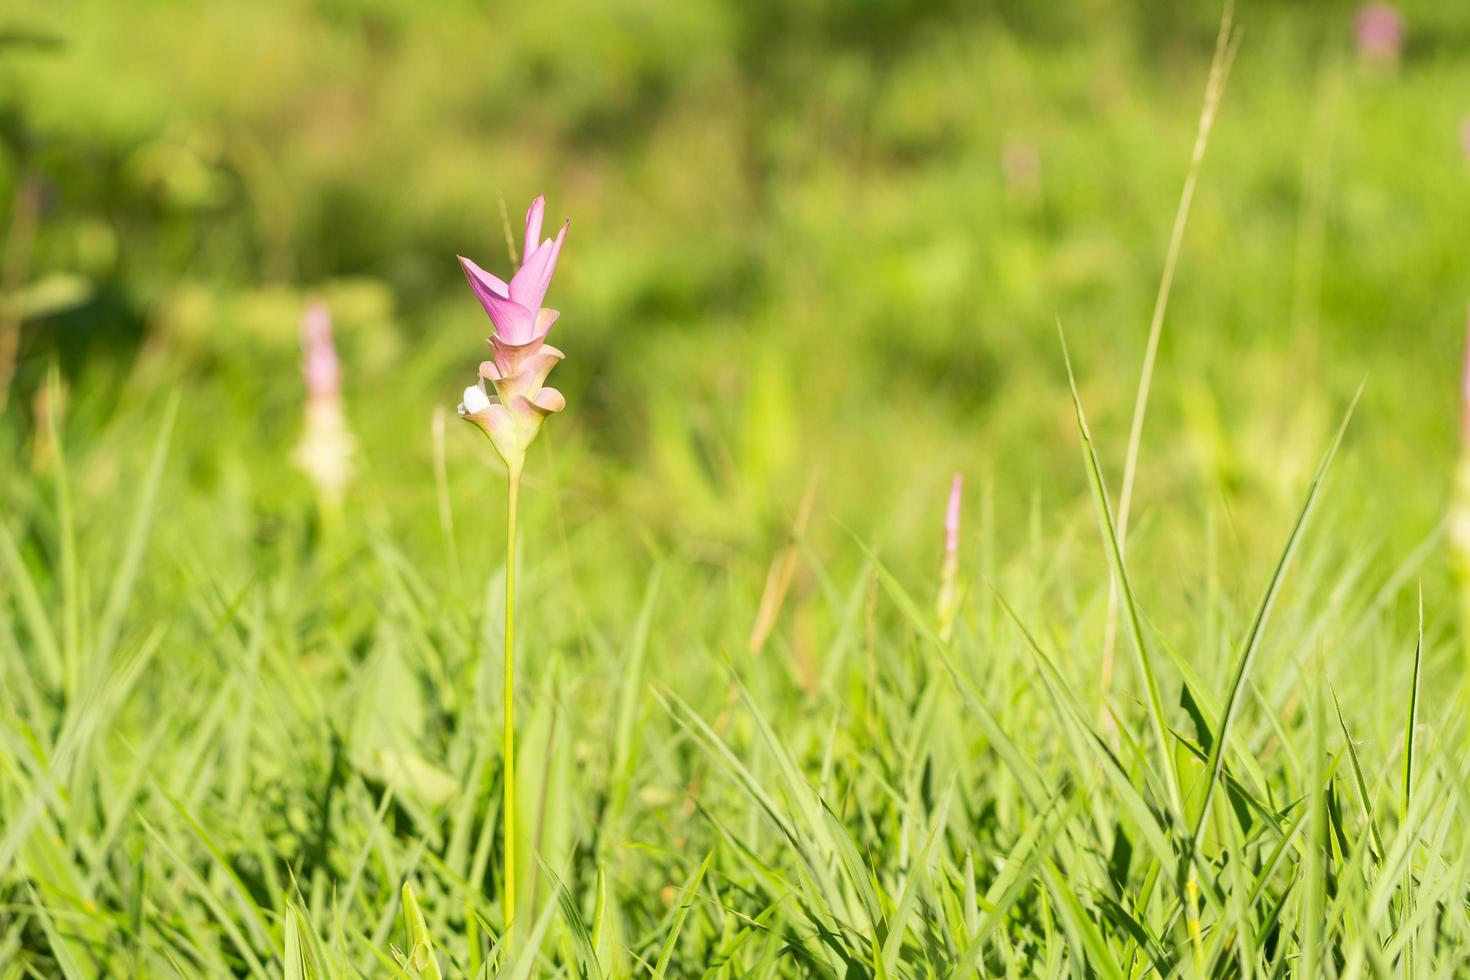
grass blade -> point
(1252, 644)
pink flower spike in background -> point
(1458, 525)
(952, 520)
(1379, 29)
(948, 604)
(322, 369)
(1465, 392)
(326, 448)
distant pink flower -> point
(322, 371)
(1020, 166)
(948, 604)
(521, 358)
(1459, 516)
(1465, 390)
(326, 448)
(1379, 29)
(952, 519)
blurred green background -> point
(817, 240)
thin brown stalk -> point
(16, 267)
(1226, 44)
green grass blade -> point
(137, 540)
(1167, 772)
(686, 901)
(1252, 644)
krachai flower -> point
(326, 448)
(1458, 530)
(948, 603)
(1379, 29)
(512, 417)
(522, 359)
(1459, 523)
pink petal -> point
(512, 320)
(545, 318)
(533, 225)
(322, 371)
(528, 286)
(952, 518)
(481, 281)
(548, 400)
(1465, 388)
(524, 377)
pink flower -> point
(521, 358)
(325, 452)
(1459, 516)
(514, 307)
(1379, 28)
(1465, 390)
(948, 603)
(952, 519)
(322, 371)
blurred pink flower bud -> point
(1458, 530)
(948, 604)
(1465, 390)
(321, 368)
(1379, 29)
(326, 448)
(952, 519)
(1020, 167)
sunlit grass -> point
(237, 771)
(778, 710)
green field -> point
(823, 256)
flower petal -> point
(545, 318)
(481, 281)
(548, 400)
(512, 320)
(321, 368)
(509, 356)
(528, 286)
(475, 400)
(533, 225)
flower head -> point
(320, 367)
(521, 359)
(1379, 28)
(948, 604)
(1459, 522)
(326, 448)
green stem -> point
(514, 486)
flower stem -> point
(514, 488)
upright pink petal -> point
(321, 369)
(528, 286)
(952, 519)
(1465, 391)
(512, 320)
(483, 282)
(1380, 32)
(533, 226)
(948, 602)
